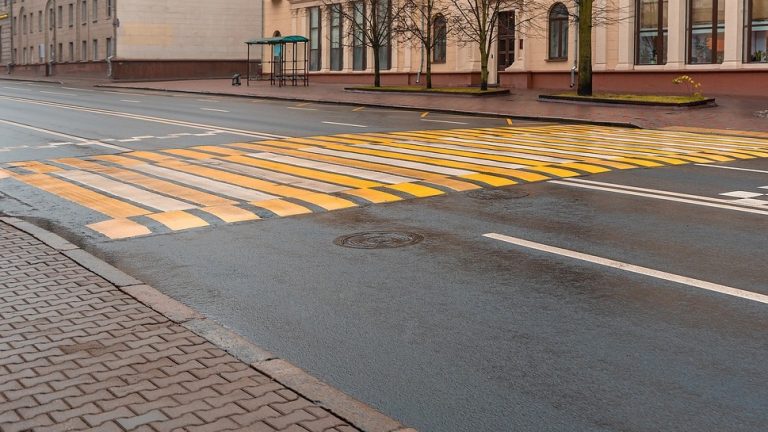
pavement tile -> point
(76, 354)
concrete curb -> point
(566, 120)
(356, 413)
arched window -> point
(440, 39)
(558, 32)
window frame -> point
(715, 40)
(336, 52)
(440, 40)
(748, 21)
(315, 54)
(661, 47)
(359, 45)
(558, 26)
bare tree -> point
(427, 23)
(371, 24)
(477, 21)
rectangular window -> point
(40, 21)
(314, 39)
(756, 31)
(109, 47)
(71, 14)
(60, 17)
(71, 51)
(385, 24)
(359, 45)
(337, 51)
(95, 14)
(706, 31)
(83, 51)
(84, 12)
(109, 8)
(60, 56)
(95, 48)
(652, 32)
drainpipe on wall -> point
(13, 29)
(576, 50)
(421, 63)
(115, 25)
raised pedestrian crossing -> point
(146, 192)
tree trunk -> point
(483, 69)
(429, 68)
(585, 48)
(376, 67)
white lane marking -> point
(214, 109)
(669, 196)
(387, 161)
(15, 88)
(302, 108)
(571, 143)
(345, 124)
(207, 100)
(121, 93)
(143, 117)
(275, 176)
(492, 152)
(233, 191)
(78, 89)
(742, 194)
(82, 141)
(658, 274)
(58, 94)
(443, 121)
(475, 161)
(733, 168)
(126, 191)
(752, 202)
(129, 100)
(357, 172)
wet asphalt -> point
(462, 332)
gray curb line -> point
(358, 414)
(565, 120)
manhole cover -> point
(761, 114)
(497, 194)
(378, 239)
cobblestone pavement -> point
(76, 353)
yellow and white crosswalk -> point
(144, 192)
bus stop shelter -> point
(287, 63)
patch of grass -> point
(637, 98)
(418, 89)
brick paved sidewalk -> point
(77, 353)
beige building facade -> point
(130, 39)
(640, 45)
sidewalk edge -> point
(566, 120)
(356, 413)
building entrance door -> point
(506, 46)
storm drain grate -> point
(497, 194)
(379, 239)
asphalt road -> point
(463, 331)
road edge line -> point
(358, 414)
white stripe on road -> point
(541, 149)
(388, 161)
(126, 191)
(341, 169)
(345, 124)
(233, 191)
(733, 168)
(81, 141)
(709, 286)
(214, 109)
(58, 94)
(658, 194)
(475, 161)
(443, 121)
(129, 100)
(275, 176)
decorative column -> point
(677, 34)
(600, 40)
(734, 25)
(626, 24)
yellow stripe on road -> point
(418, 191)
(373, 195)
(282, 207)
(231, 214)
(82, 196)
(492, 180)
(178, 220)
(117, 229)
